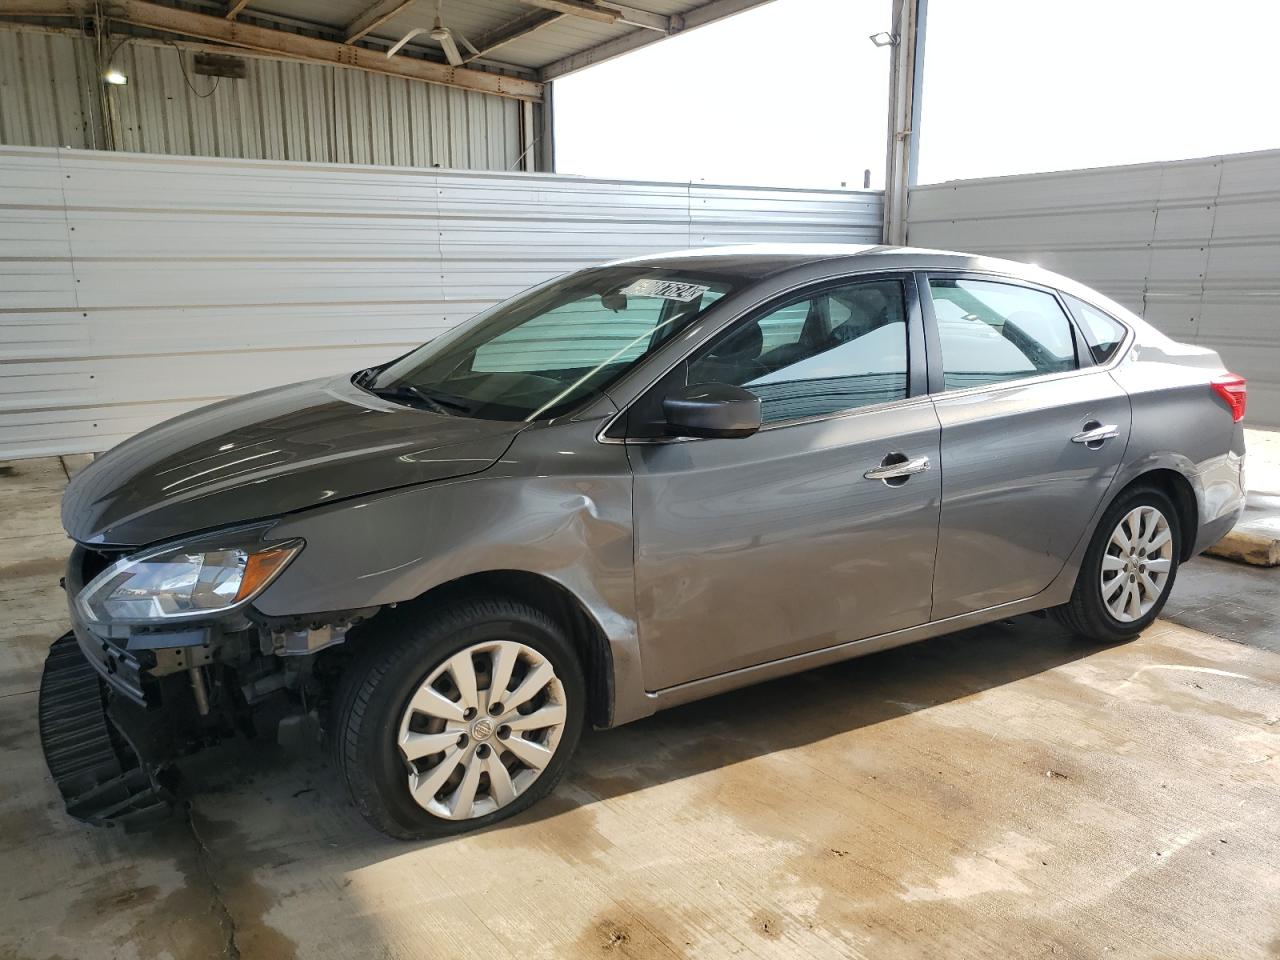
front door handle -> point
(896, 466)
(1095, 434)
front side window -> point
(992, 332)
(825, 353)
(1103, 334)
(548, 350)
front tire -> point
(1128, 570)
(451, 723)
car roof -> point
(755, 261)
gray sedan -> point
(627, 488)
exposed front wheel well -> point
(556, 602)
(1178, 489)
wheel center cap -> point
(482, 729)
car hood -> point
(270, 453)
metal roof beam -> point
(697, 17)
(608, 13)
(289, 45)
(373, 17)
(577, 8)
(646, 20)
(516, 29)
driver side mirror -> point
(712, 410)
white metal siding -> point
(281, 110)
(135, 287)
(1193, 246)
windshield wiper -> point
(433, 402)
(444, 400)
(364, 377)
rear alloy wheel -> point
(481, 728)
(1136, 564)
(1128, 569)
(452, 720)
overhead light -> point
(115, 78)
(883, 39)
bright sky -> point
(793, 93)
(790, 93)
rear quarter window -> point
(1102, 333)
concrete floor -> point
(1002, 792)
(1228, 599)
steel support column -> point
(906, 66)
(546, 126)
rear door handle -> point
(897, 467)
(1095, 433)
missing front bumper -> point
(91, 756)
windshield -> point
(547, 350)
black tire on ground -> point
(1085, 613)
(376, 687)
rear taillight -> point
(1231, 387)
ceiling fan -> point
(441, 35)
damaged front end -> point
(96, 765)
(120, 702)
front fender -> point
(558, 504)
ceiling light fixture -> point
(115, 78)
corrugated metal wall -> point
(1193, 246)
(282, 110)
(48, 90)
(135, 287)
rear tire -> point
(448, 724)
(1128, 570)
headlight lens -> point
(178, 583)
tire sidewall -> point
(426, 650)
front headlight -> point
(175, 583)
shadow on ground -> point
(685, 741)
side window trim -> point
(933, 340)
(917, 372)
(1084, 356)
(917, 349)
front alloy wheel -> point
(481, 728)
(450, 719)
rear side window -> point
(993, 332)
(1102, 333)
(841, 348)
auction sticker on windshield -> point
(665, 290)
